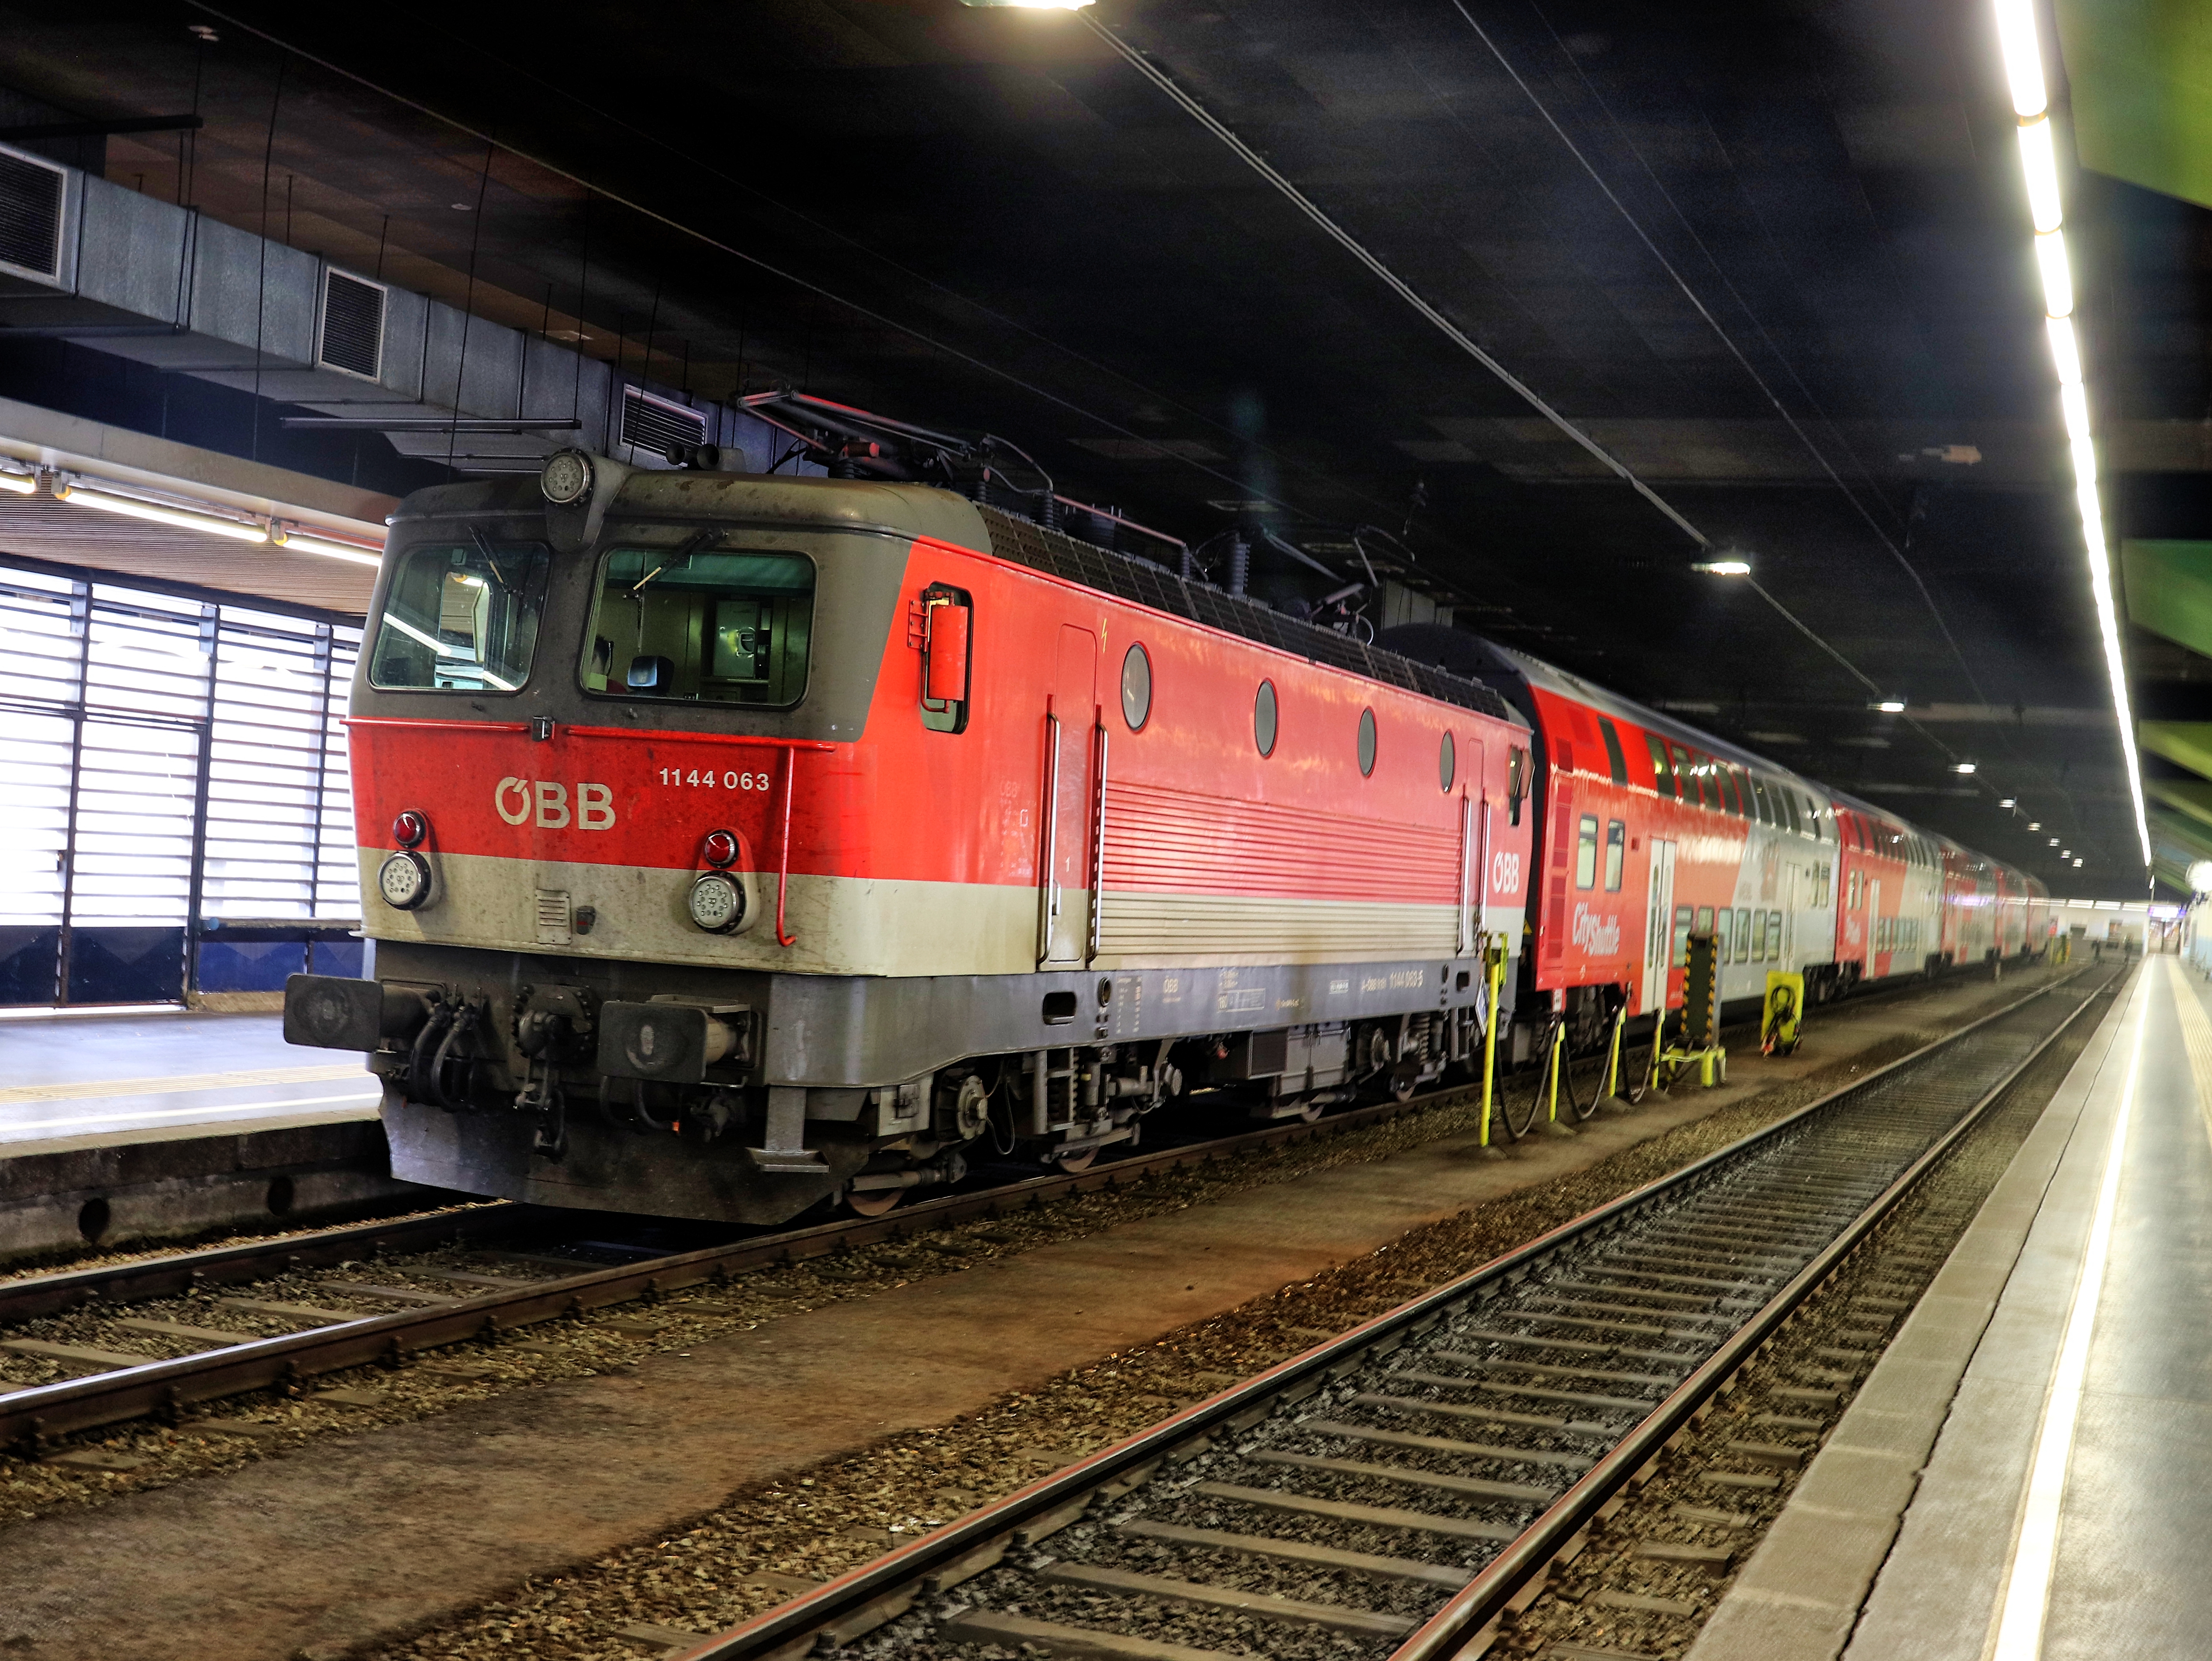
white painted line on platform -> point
(2026, 1597)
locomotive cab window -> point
(701, 625)
(460, 619)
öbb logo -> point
(519, 800)
(1505, 873)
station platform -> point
(131, 1127)
(70, 1075)
(2027, 1471)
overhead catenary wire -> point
(1720, 331)
(1397, 285)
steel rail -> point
(31, 1417)
(879, 1591)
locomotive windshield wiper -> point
(491, 558)
(678, 555)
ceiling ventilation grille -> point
(353, 325)
(656, 425)
(31, 216)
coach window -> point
(460, 618)
(1263, 718)
(701, 625)
(1762, 809)
(1662, 771)
(1743, 935)
(1616, 850)
(1366, 742)
(1789, 807)
(1614, 759)
(1758, 937)
(1586, 852)
(1683, 915)
(1774, 935)
(1447, 763)
(1136, 688)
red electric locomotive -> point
(730, 843)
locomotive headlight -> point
(403, 880)
(717, 903)
(567, 478)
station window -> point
(701, 625)
(1586, 852)
(1614, 759)
(461, 618)
(1662, 771)
(1616, 852)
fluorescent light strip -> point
(21, 484)
(2023, 59)
(183, 518)
(307, 542)
(24, 1129)
(2035, 1549)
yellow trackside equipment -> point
(1782, 1019)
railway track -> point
(387, 1290)
(1398, 1490)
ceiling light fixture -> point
(1724, 568)
(1891, 706)
(2023, 60)
(21, 484)
(1032, 5)
(2077, 865)
(2006, 801)
(1962, 766)
(2034, 825)
(183, 518)
(294, 540)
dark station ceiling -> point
(1774, 258)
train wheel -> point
(875, 1202)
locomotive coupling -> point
(671, 1042)
(338, 1012)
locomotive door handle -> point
(1097, 845)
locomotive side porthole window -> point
(1447, 762)
(1263, 718)
(460, 619)
(948, 657)
(1366, 741)
(701, 625)
(1136, 688)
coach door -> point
(1071, 826)
(1658, 930)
